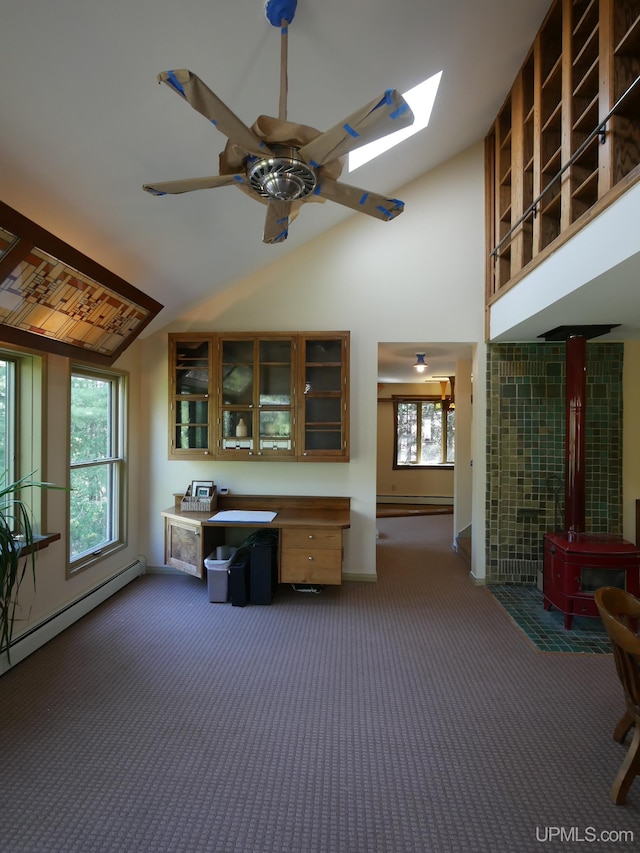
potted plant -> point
(17, 552)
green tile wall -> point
(525, 451)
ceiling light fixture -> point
(421, 364)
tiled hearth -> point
(545, 628)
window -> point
(21, 408)
(97, 435)
(425, 432)
(8, 423)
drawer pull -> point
(311, 536)
(309, 557)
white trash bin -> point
(217, 566)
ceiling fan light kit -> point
(283, 164)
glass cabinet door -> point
(275, 397)
(324, 415)
(256, 405)
(191, 397)
(237, 393)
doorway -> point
(425, 480)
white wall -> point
(53, 590)
(420, 277)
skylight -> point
(421, 99)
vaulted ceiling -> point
(85, 124)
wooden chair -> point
(620, 611)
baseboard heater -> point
(36, 636)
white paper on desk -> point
(248, 515)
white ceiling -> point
(85, 124)
(396, 360)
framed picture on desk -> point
(202, 488)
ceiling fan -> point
(283, 164)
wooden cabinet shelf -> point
(588, 188)
(553, 81)
(586, 83)
(587, 117)
(586, 17)
(506, 141)
(587, 53)
(551, 165)
(629, 44)
(554, 119)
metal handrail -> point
(599, 131)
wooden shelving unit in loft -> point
(544, 143)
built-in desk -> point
(310, 541)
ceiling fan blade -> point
(361, 200)
(276, 224)
(189, 184)
(202, 99)
(386, 114)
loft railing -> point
(598, 131)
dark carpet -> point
(403, 716)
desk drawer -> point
(312, 538)
(311, 566)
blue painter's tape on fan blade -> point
(400, 111)
(177, 85)
(398, 205)
(364, 198)
(385, 211)
(214, 122)
(238, 178)
(278, 11)
(313, 164)
(386, 99)
(317, 190)
(282, 219)
(351, 131)
(281, 236)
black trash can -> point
(239, 578)
(263, 572)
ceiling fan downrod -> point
(280, 14)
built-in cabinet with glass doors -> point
(252, 396)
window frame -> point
(29, 408)
(115, 463)
(9, 470)
(420, 466)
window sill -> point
(40, 542)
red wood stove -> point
(577, 563)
